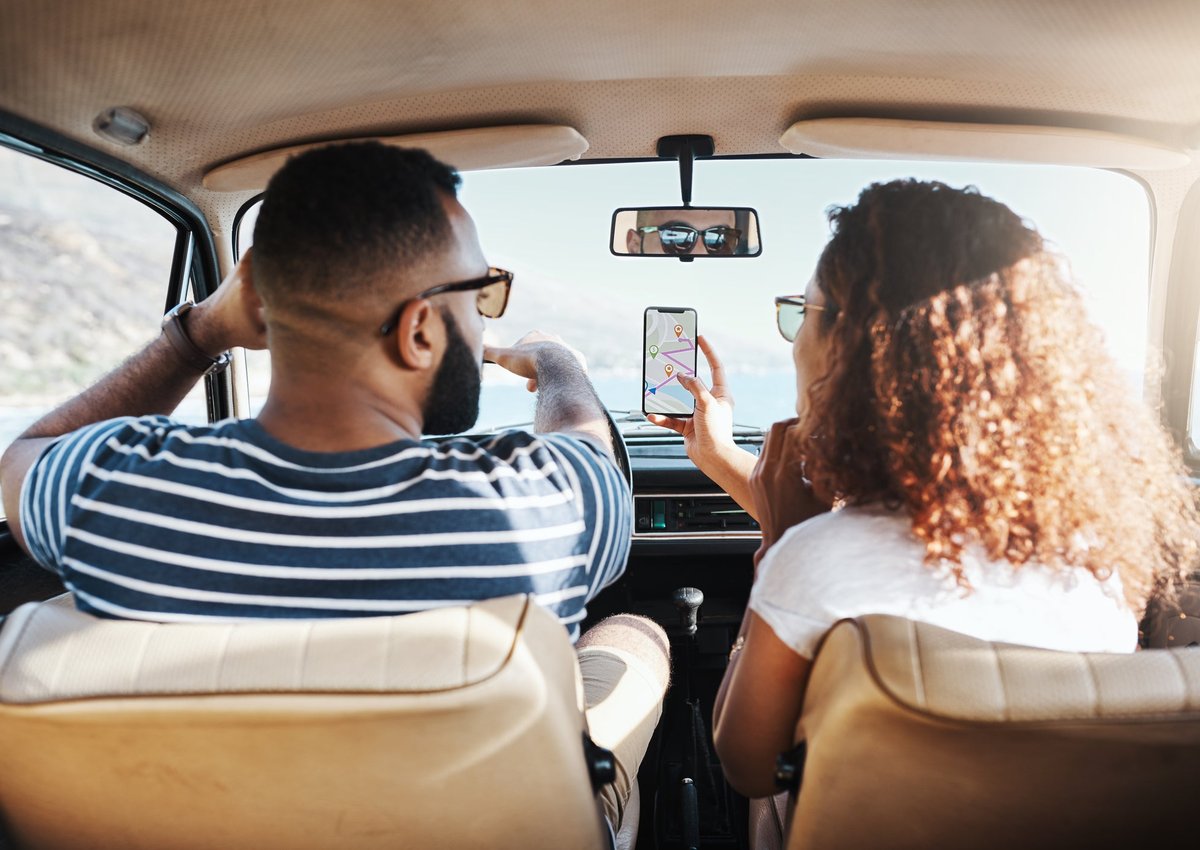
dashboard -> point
(673, 502)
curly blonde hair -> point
(966, 384)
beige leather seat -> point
(918, 737)
(458, 727)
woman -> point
(990, 471)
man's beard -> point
(452, 405)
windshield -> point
(551, 227)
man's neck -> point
(323, 415)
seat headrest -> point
(433, 650)
(956, 677)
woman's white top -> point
(866, 560)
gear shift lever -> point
(688, 601)
(695, 762)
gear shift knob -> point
(688, 601)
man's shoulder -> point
(158, 430)
(503, 444)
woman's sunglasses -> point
(681, 238)
(490, 301)
(789, 314)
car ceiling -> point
(219, 79)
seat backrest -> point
(455, 727)
(919, 737)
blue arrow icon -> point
(653, 390)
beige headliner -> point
(220, 79)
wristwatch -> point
(176, 334)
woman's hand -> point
(708, 434)
(709, 431)
(781, 495)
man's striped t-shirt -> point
(151, 519)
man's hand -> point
(782, 496)
(232, 317)
(708, 434)
(567, 402)
(521, 357)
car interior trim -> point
(951, 140)
(472, 149)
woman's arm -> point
(708, 434)
(758, 707)
(759, 702)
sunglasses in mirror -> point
(789, 314)
(490, 300)
(681, 238)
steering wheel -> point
(620, 450)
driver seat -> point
(916, 737)
(455, 727)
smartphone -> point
(668, 351)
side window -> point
(258, 363)
(1193, 441)
(84, 271)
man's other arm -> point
(567, 403)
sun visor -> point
(467, 150)
(863, 138)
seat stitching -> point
(384, 680)
(914, 654)
(1087, 661)
(466, 645)
(302, 665)
(61, 663)
(1187, 702)
(1007, 702)
(140, 664)
(221, 658)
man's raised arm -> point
(567, 402)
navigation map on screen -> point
(670, 350)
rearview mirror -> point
(685, 232)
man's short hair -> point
(335, 220)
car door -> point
(91, 254)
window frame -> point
(194, 260)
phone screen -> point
(668, 351)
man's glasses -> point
(789, 314)
(681, 238)
(490, 301)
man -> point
(368, 285)
(676, 232)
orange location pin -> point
(668, 369)
(678, 331)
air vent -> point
(691, 514)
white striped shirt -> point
(151, 519)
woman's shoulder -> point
(849, 529)
(862, 546)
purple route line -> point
(684, 366)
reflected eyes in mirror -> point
(681, 238)
(685, 233)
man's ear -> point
(633, 241)
(251, 300)
(420, 335)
